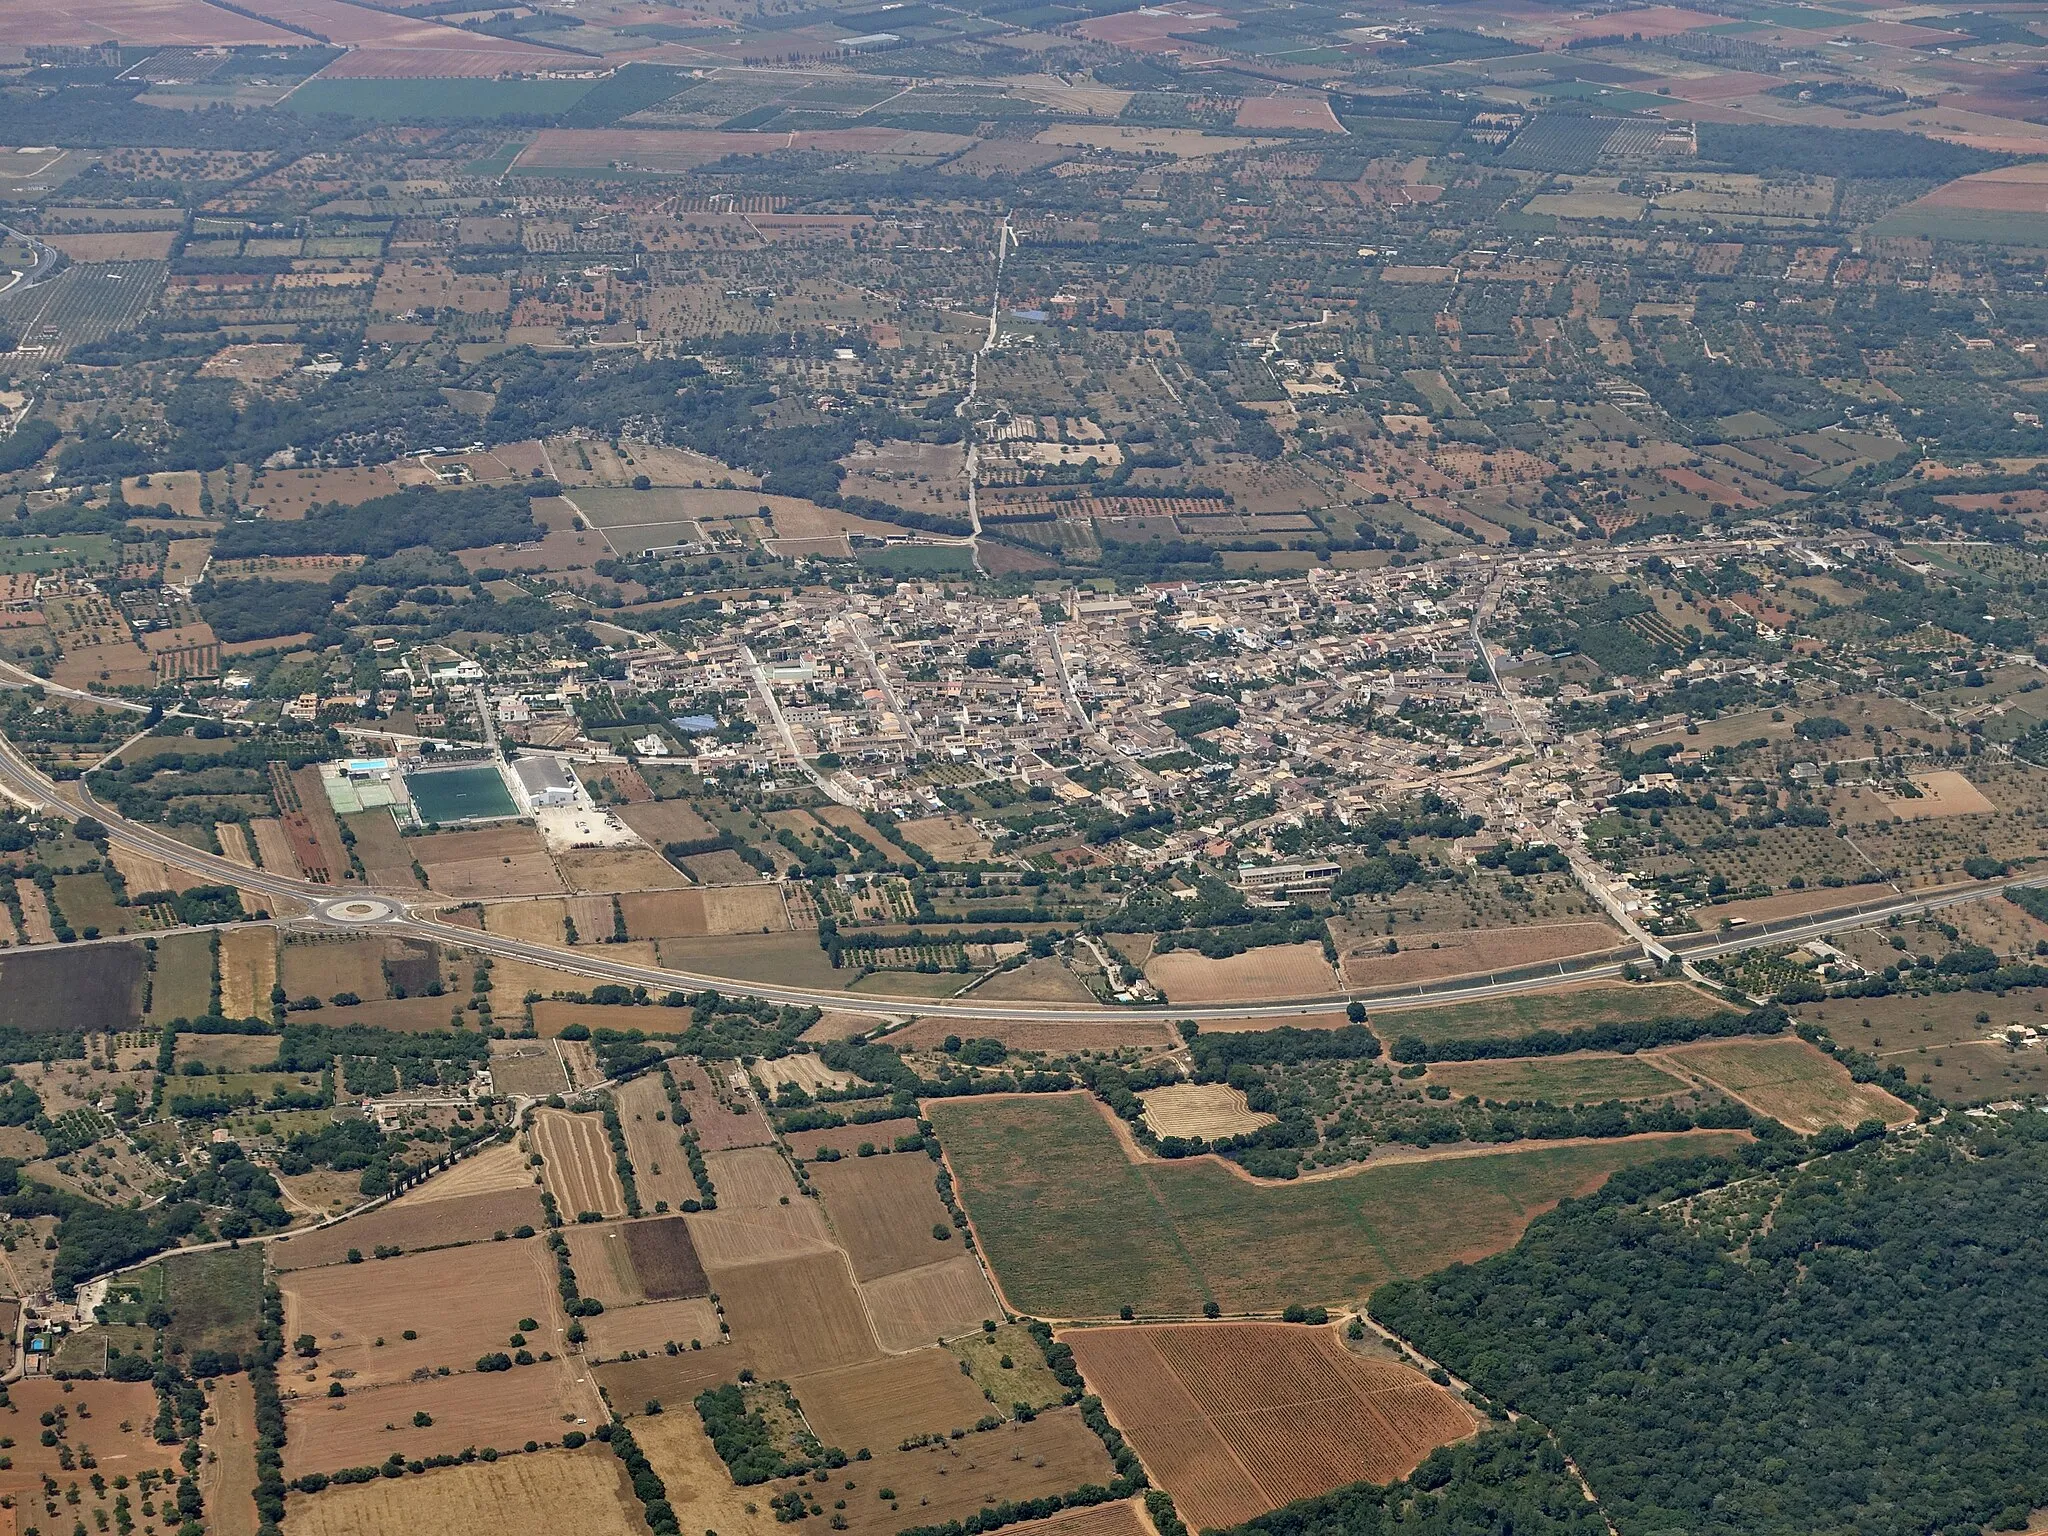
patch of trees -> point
(1877, 155)
(746, 1444)
(262, 609)
(380, 527)
(1215, 1054)
(1873, 1361)
(1637, 1035)
(30, 441)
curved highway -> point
(372, 909)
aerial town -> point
(1058, 766)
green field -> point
(396, 101)
(40, 555)
(1558, 1079)
(1074, 1229)
(181, 986)
(1985, 225)
(1504, 1018)
(460, 794)
(918, 559)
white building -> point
(545, 782)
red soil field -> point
(1235, 1419)
(172, 23)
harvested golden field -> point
(527, 1068)
(677, 1379)
(413, 1226)
(1476, 951)
(325, 965)
(652, 1326)
(113, 1420)
(577, 1163)
(949, 839)
(542, 1494)
(1054, 1453)
(1118, 1519)
(847, 1139)
(248, 970)
(886, 1402)
(721, 1125)
(938, 1301)
(606, 870)
(752, 1178)
(804, 1070)
(228, 1477)
(1235, 1419)
(796, 1315)
(699, 1486)
(715, 909)
(654, 1143)
(1258, 975)
(501, 1409)
(1786, 1079)
(885, 1210)
(536, 922)
(726, 1237)
(495, 1170)
(1212, 1111)
(459, 1303)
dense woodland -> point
(1852, 1346)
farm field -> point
(1788, 1080)
(577, 1163)
(1210, 1110)
(945, 1300)
(1577, 1079)
(650, 1328)
(1074, 1229)
(112, 1420)
(653, 1143)
(1566, 1009)
(1463, 952)
(1941, 1043)
(847, 1139)
(412, 1224)
(1235, 1419)
(795, 1315)
(459, 1302)
(468, 1408)
(1278, 971)
(625, 1263)
(886, 1402)
(885, 1211)
(248, 970)
(541, 1494)
(181, 987)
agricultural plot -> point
(113, 1421)
(457, 1304)
(934, 1301)
(1568, 1008)
(75, 991)
(886, 1402)
(954, 1479)
(1235, 1419)
(413, 1223)
(1788, 1080)
(527, 1069)
(1025, 1379)
(847, 1139)
(181, 985)
(796, 1315)
(1578, 1079)
(1278, 971)
(1213, 1111)
(248, 971)
(467, 1408)
(577, 1163)
(654, 1143)
(1072, 1228)
(886, 1212)
(542, 1494)
(624, 1264)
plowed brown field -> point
(1235, 1419)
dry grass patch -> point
(411, 1226)
(459, 1303)
(886, 1211)
(1576, 1079)
(577, 1163)
(1054, 1453)
(888, 1401)
(1258, 975)
(652, 1327)
(248, 970)
(536, 922)
(1236, 1419)
(796, 1315)
(654, 1143)
(543, 1494)
(1787, 1079)
(502, 1409)
(935, 1301)
(1475, 951)
(1212, 1111)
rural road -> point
(369, 909)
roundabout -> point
(359, 911)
